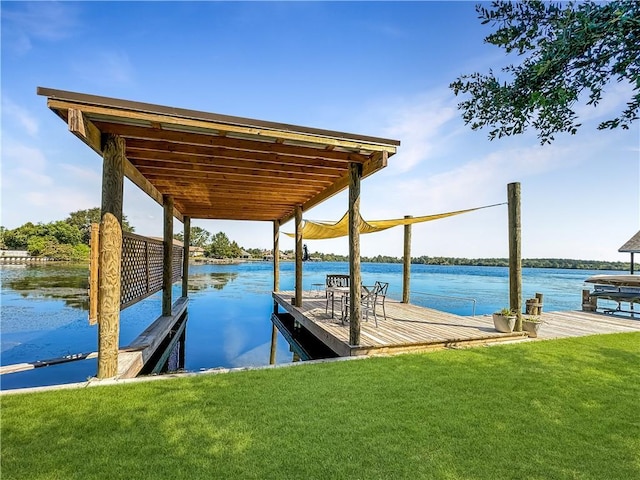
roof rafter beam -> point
(182, 122)
(166, 137)
(377, 161)
(86, 131)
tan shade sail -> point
(316, 230)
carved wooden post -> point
(109, 300)
(185, 256)
(515, 248)
(110, 257)
(167, 258)
(406, 270)
(113, 176)
(298, 300)
(355, 280)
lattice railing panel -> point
(176, 263)
(142, 267)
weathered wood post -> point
(109, 301)
(539, 303)
(276, 257)
(110, 257)
(355, 280)
(406, 269)
(185, 256)
(167, 257)
(298, 299)
(276, 287)
(515, 253)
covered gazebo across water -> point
(631, 246)
(208, 166)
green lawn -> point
(540, 410)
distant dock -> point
(412, 328)
(19, 257)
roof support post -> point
(355, 284)
(185, 255)
(167, 258)
(110, 257)
(276, 287)
(406, 269)
(298, 299)
(515, 253)
(276, 256)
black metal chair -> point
(379, 296)
(334, 280)
(367, 302)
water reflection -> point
(216, 280)
(68, 283)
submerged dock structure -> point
(200, 165)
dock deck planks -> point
(412, 328)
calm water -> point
(44, 309)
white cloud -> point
(20, 116)
(24, 22)
(614, 100)
(420, 123)
(85, 174)
(24, 165)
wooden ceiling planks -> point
(218, 166)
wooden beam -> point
(133, 174)
(91, 135)
(94, 283)
(173, 137)
(355, 284)
(276, 256)
(377, 161)
(515, 253)
(109, 297)
(167, 257)
(191, 185)
(151, 149)
(185, 255)
(406, 268)
(206, 164)
(85, 130)
(201, 171)
(298, 212)
(188, 124)
(113, 176)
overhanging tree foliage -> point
(572, 51)
(198, 237)
(84, 218)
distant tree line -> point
(565, 263)
(214, 246)
(66, 240)
(69, 240)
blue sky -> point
(372, 68)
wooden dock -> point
(413, 328)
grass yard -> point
(540, 410)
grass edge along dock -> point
(555, 409)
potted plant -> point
(504, 320)
(531, 325)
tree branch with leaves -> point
(573, 51)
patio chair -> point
(379, 296)
(334, 280)
(367, 302)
